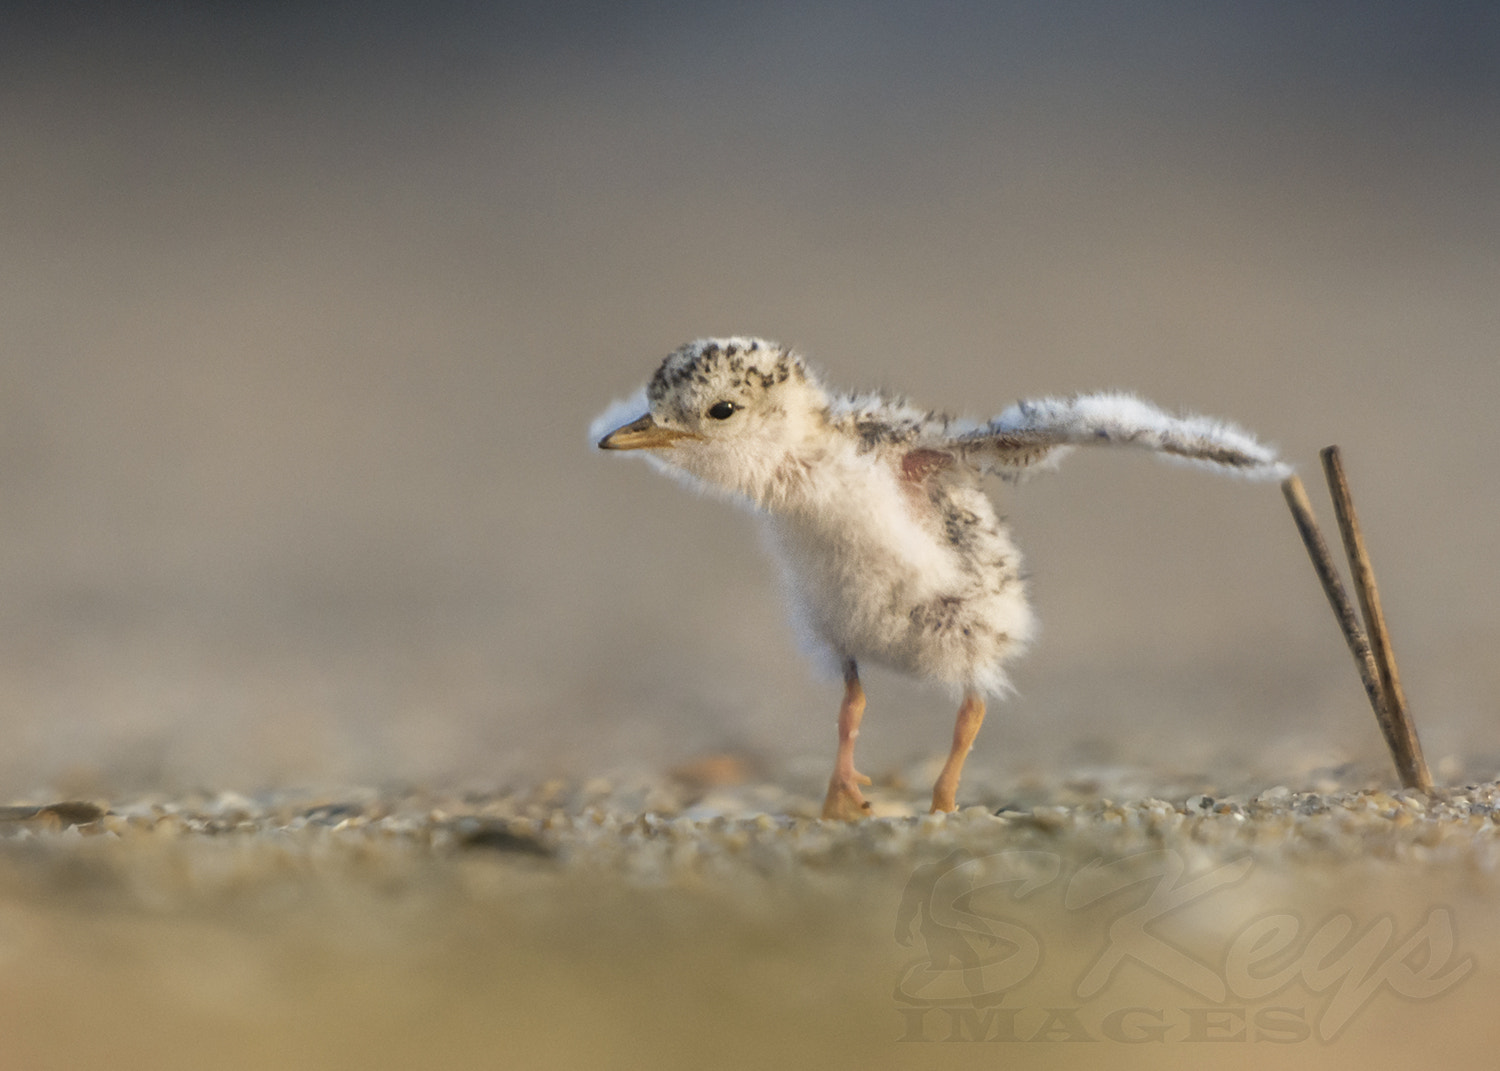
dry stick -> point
(1343, 610)
(1405, 747)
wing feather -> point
(1039, 432)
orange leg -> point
(970, 717)
(844, 800)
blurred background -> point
(306, 310)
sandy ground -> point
(667, 922)
(306, 314)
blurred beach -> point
(306, 311)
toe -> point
(844, 802)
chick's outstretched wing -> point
(1038, 433)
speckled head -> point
(737, 372)
(723, 411)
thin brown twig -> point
(1343, 610)
(1406, 748)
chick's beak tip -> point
(642, 434)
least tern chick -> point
(891, 550)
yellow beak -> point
(643, 434)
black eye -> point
(722, 410)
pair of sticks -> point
(1372, 652)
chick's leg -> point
(965, 729)
(844, 800)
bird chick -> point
(891, 550)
